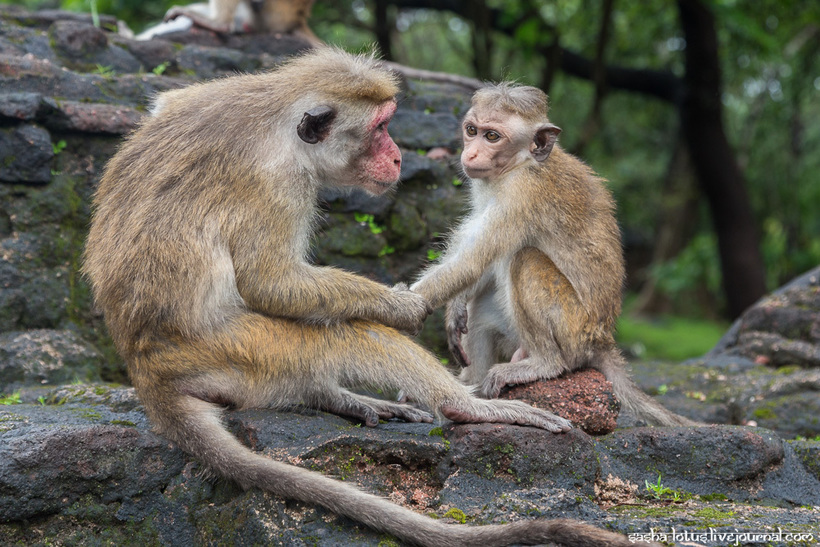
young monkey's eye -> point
(470, 130)
(492, 136)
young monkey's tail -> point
(613, 365)
(195, 425)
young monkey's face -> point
(497, 143)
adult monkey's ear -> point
(543, 141)
(315, 124)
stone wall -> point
(69, 92)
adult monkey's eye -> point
(492, 136)
(470, 130)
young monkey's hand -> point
(411, 309)
(456, 325)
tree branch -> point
(661, 84)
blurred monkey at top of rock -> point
(533, 275)
(197, 255)
(225, 16)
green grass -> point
(668, 338)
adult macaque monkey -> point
(274, 16)
(196, 255)
(534, 274)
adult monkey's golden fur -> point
(534, 274)
(196, 255)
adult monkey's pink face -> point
(374, 160)
(382, 162)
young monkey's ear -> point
(544, 140)
(315, 124)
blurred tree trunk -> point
(479, 15)
(383, 27)
(719, 177)
(676, 222)
(552, 54)
(593, 122)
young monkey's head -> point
(505, 128)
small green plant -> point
(160, 69)
(714, 497)
(386, 250)
(457, 515)
(802, 438)
(663, 389)
(13, 399)
(370, 220)
(42, 400)
(58, 146)
(433, 254)
(104, 71)
(457, 181)
(659, 491)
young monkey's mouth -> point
(477, 172)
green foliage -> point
(104, 71)
(457, 515)
(370, 221)
(802, 438)
(13, 399)
(659, 491)
(58, 146)
(433, 254)
(160, 69)
(695, 269)
(668, 338)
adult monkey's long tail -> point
(195, 425)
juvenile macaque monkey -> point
(274, 16)
(533, 275)
(197, 257)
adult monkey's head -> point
(347, 125)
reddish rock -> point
(98, 118)
(585, 398)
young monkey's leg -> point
(550, 321)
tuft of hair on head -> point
(525, 101)
(343, 75)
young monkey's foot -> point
(498, 378)
(522, 369)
